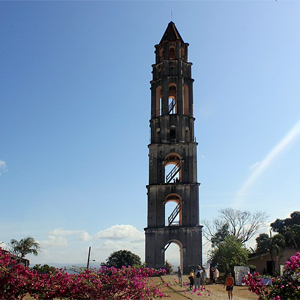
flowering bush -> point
(106, 283)
(285, 287)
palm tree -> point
(24, 247)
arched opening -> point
(172, 168)
(158, 104)
(173, 134)
(182, 53)
(173, 213)
(161, 54)
(172, 102)
(172, 53)
(187, 135)
(157, 135)
(186, 104)
(173, 254)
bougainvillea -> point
(106, 283)
(285, 287)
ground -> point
(212, 292)
(169, 285)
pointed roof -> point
(171, 34)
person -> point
(198, 275)
(191, 278)
(203, 277)
(216, 275)
(179, 276)
(229, 286)
(211, 275)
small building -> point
(264, 263)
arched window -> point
(173, 134)
(158, 104)
(172, 102)
(186, 104)
(161, 54)
(173, 212)
(172, 168)
(172, 53)
(187, 135)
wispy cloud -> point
(259, 167)
(2, 167)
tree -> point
(229, 253)
(44, 269)
(272, 245)
(290, 229)
(220, 235)
(122, 258)
(169, 267)
(241, 224)
(24, 246)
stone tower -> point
(173, 157)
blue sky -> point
(75, 109)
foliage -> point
(272, 245)
(122, 258)
(241, 224)
(285, 287)
(105, 283)
(169, 267)
(229, 253)
(290, 229)
(42, 269)
(24, 246)
(220, 235)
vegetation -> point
(290, 229)
(25, 246)
(169, 267)
(229, 253)
(122, 258)
(44, 269)
(106, 283)
(273, 245)
(241, 224)
(283, 287)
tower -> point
(172, 157)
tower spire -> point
(171, 34)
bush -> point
(105, 283)
(285, 287)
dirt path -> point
(170, 287)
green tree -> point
(24, 246)
(122, 258)
(229, 253)
(220, 235)
(290, 229)
(44, 269)
(272, 245)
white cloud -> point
(59, 246)
(80, 234)
(2, 167)
(54, 241)
(121, 232)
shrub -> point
(285, 287)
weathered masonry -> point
(173, 157)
